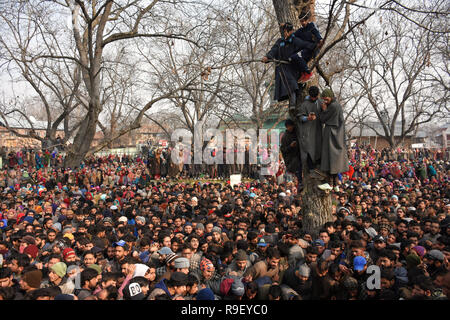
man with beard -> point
(379, 243)
(334, 159)
(434, 261)
(310, 130)
(299, 280)
(239, 265)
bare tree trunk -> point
(316, 207)
(82, 141)
(289, 10)
(316, 203)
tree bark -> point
(316, 208)
(82, 141)
(289, 10)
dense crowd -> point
(122, 227)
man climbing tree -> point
(309, 33)
(285, 51)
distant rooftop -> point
(367, 130)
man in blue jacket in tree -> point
(287, 49)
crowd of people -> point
(114, 229)
(135, 228)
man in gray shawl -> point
(334, 158)
(310, 130)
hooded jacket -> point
(141, 270)
(160, 288)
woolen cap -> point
(200, 226)
(59, 268)
(205, 294)
(327, 93)
(32, 250)
(412, 260)
(419, 250)
(435, 255)
(33, 278)
(178, 279)
(241, 255)
(96, 267)
(67, 252)
(216, 229)
(181, 263)
(29, 240)
(170, 257)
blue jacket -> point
(162, 285)
(286, 75)
(309, 33)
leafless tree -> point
(391, 68)
(26, 32)
(208, 97)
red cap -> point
(32, 250)
(67, 252)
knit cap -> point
(216, 229)
(200, 226)
(59, 268)
(33, 278)
(237, 288)
(96, 267)
(29, 240)
(32, 250)
(181, 263)
(412, 260)
(419, 250)
(170, 257)
(205, 294)
(327, 93)
(241, 255)
(67, 252)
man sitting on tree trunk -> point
(286, 74)
(334, 159)
(308, 32)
